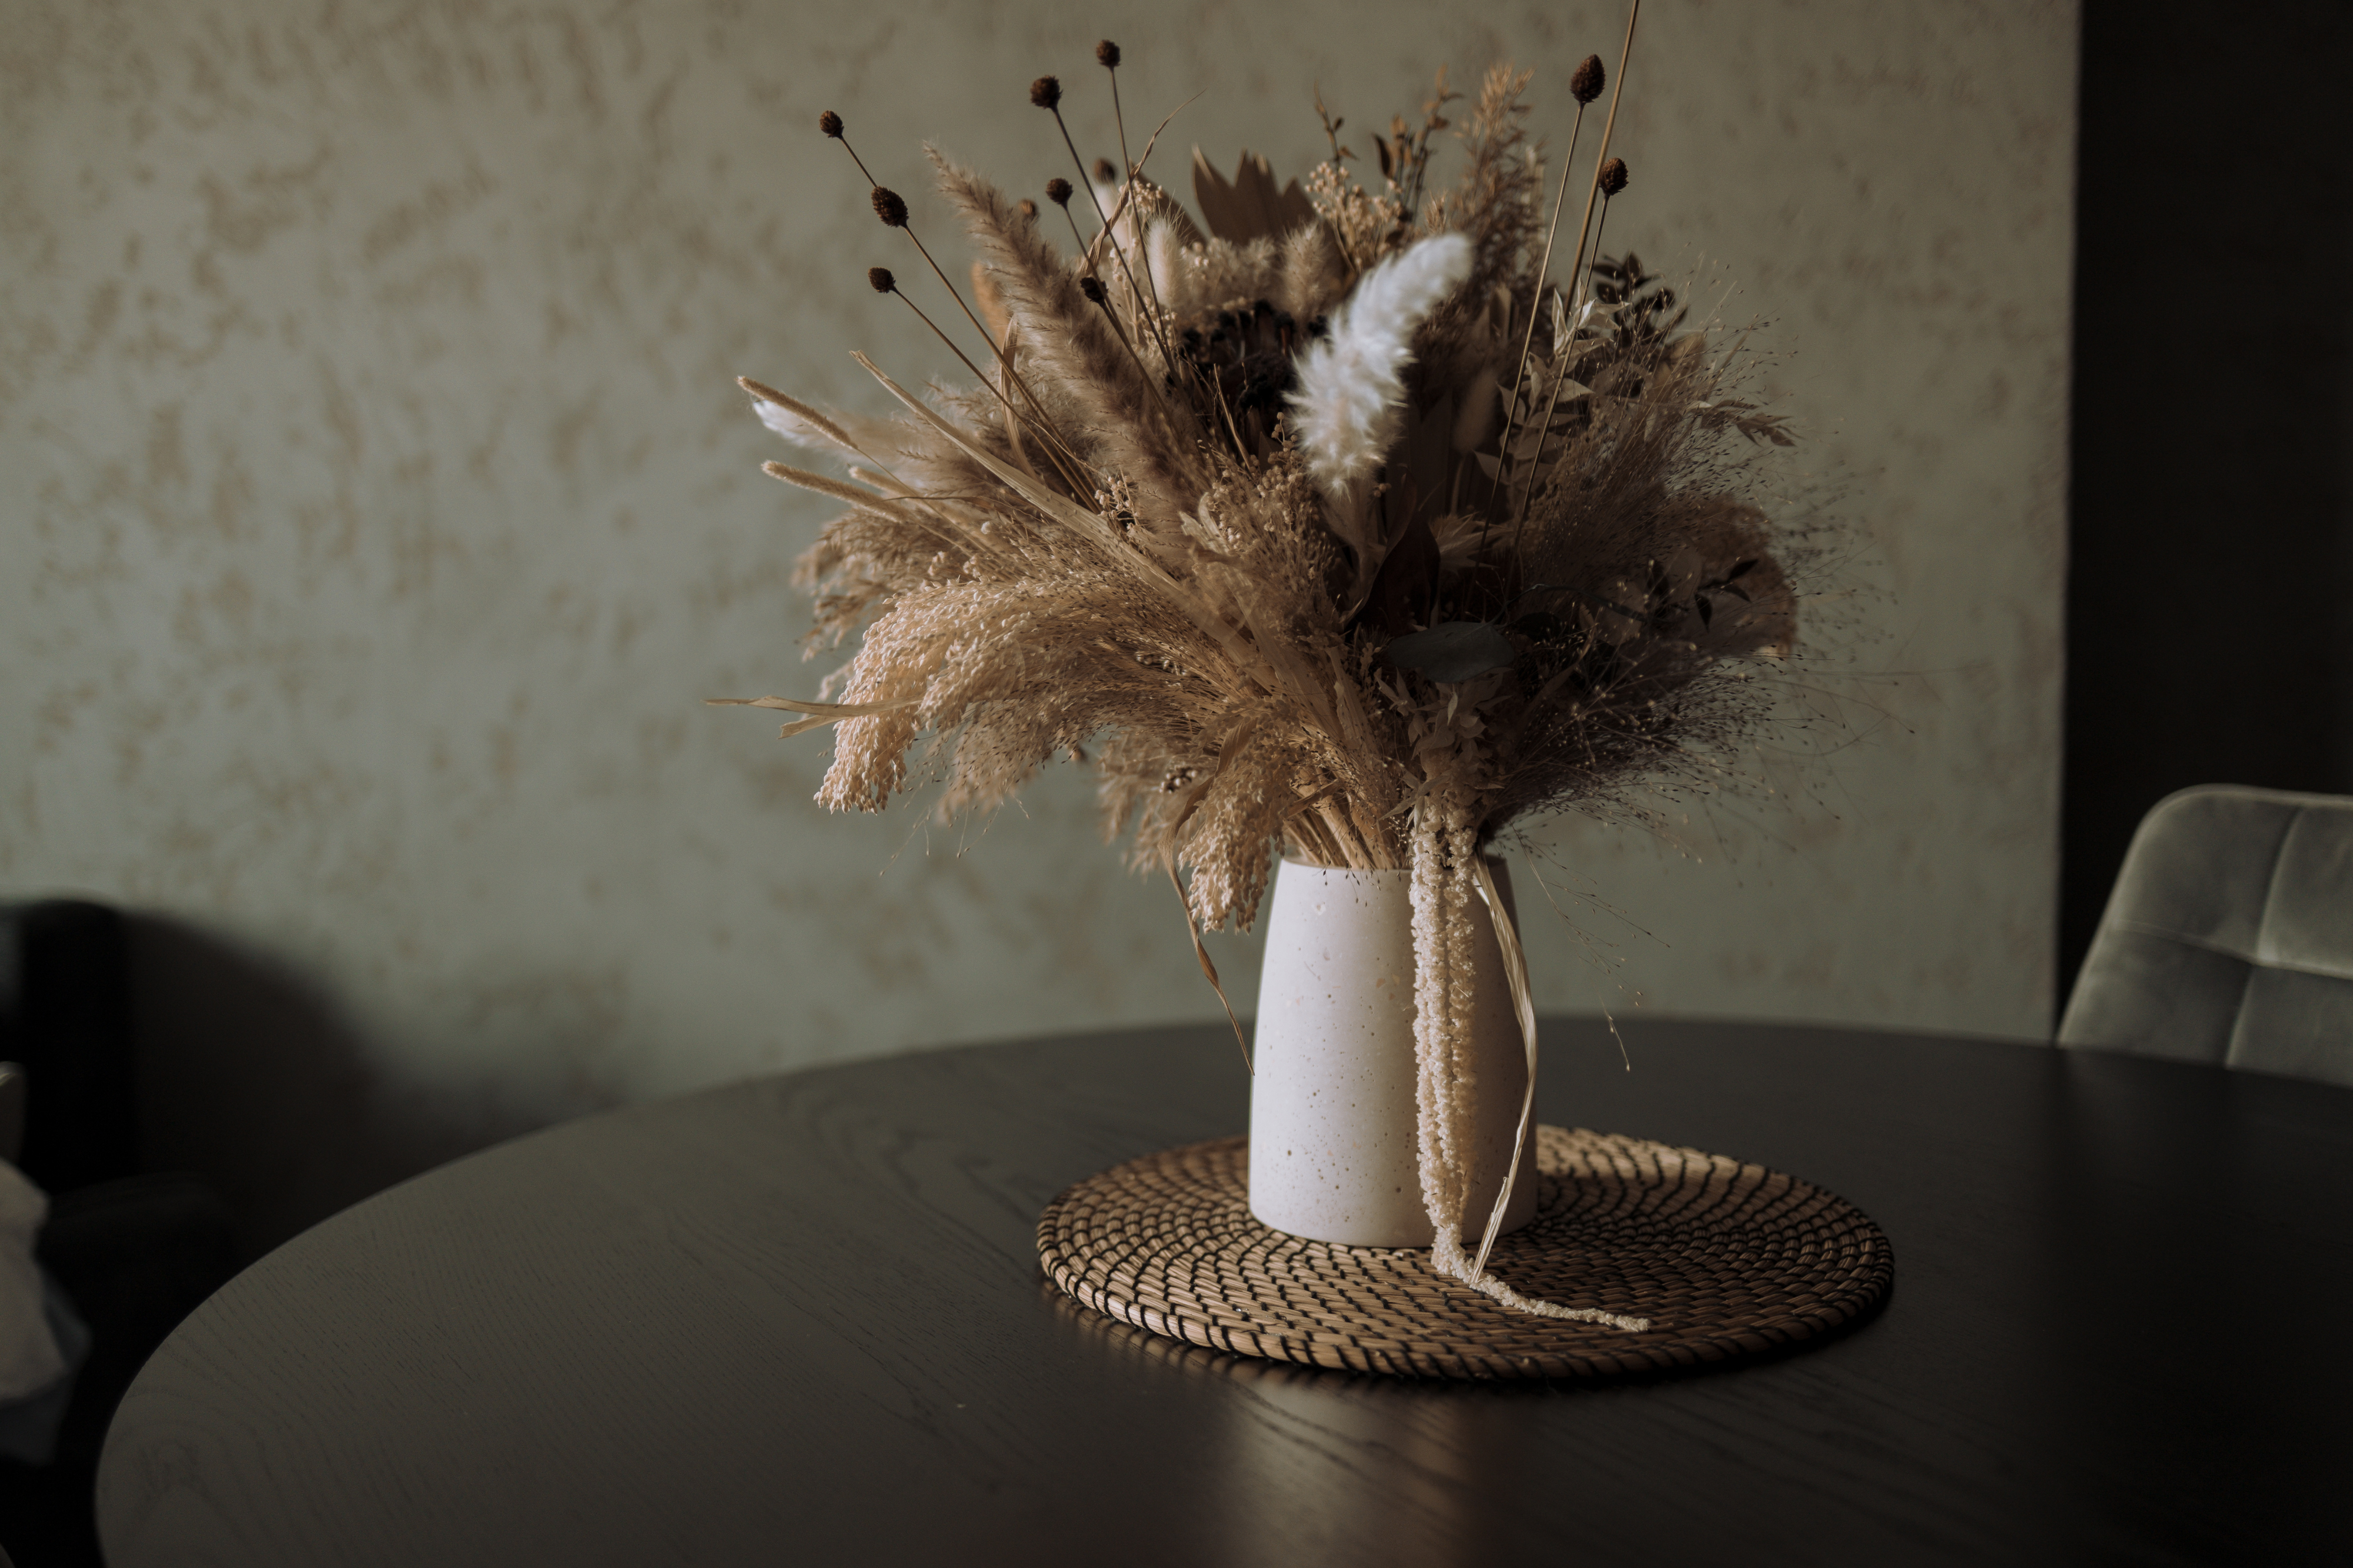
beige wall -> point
(376, 504)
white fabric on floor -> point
(30, 1358)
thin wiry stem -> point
(1586, 295)
(1592, 190)
(1241, 449)
(1104, 304)
(1609, 125)
(857, 160)
(1544, 431)
(1151, 381)
(1536, 309)
(1038, 409)
(1117, 249)
(1075, 235)
(1070, 475)
(1121, 122)
(1131, 168)
(1084, 250)
(1118, 121)
(960, 356)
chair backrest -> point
(65, 1014)
(2229, 937)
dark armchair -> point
(134, 1250)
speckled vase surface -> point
(1332, 1145)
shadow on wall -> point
(250, 1078)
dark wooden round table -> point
(800, 1319)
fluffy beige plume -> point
(1350, 392)
(1091, 383)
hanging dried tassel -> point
(1437, 898)
(1446, 874)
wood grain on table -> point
(800, 1319)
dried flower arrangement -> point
(1329, 522)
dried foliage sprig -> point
(1326, 522)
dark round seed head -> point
(829, 123)
(889, 206)
(1107, 55)
(1106, 171)
(1046, 92)
(882, 279)
(1092, 287)
(1613, 176)
(1058, 191)
(1585, 81)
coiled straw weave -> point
(1726, 1259)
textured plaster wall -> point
(376, 504)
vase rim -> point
(1492, 859)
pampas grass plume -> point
(1350, 393)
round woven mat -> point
(1726, 1261)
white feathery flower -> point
(1164, 251)
(793, 426)
(872, 439)
(1350, 396)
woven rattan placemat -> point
(1726, 1261)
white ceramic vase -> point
(1334, 1153)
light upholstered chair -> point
(2229, 937)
